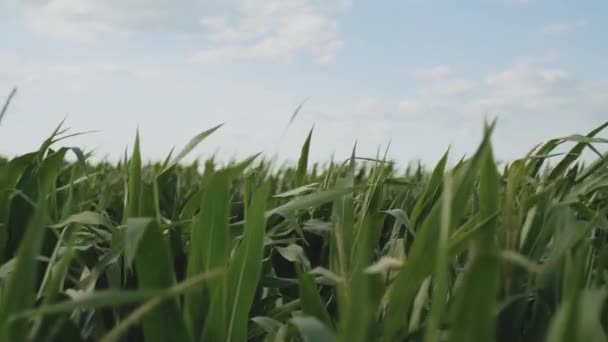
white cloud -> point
(71, 78)
(563, 27)
(9, 67)
(439, 71)
(550, 56)
(236, 30)
(169, 107)
(449, 87)
(270, 30)
(85, 20)
(409, 107)
(520, 89)
(532, 103)
(524, 80)
(442, 80)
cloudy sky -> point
(421, 74)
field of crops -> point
(355, 250)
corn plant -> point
(351, 250)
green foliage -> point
(353, 251)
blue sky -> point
(420, 74)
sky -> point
(418, 75)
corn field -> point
(353, 250)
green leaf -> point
(133, 233)
(312, 330)
(191, 145)
(362, 292)
(154, 268)
(113, 298)
(303, 161)
(134, 182)
(326, 276)
(342, 237)
(383, 265)
(295, 253)
(312, 303)
(441, 277)
(86, 217)
(297, 191)
(19, 292)
(269, 325)
(431, 191)
(10, 174)
(245, 268)
(90, 300)
(575, 152)
(209, 248)
(58, 265)
(473, 315)
(580, 318)
(7, 102)
(55, 276)
(277, 282)
(420, 263)
(152, 305)
(295, 113)
(309, 201)
(401, 219)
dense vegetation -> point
(352, 251)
